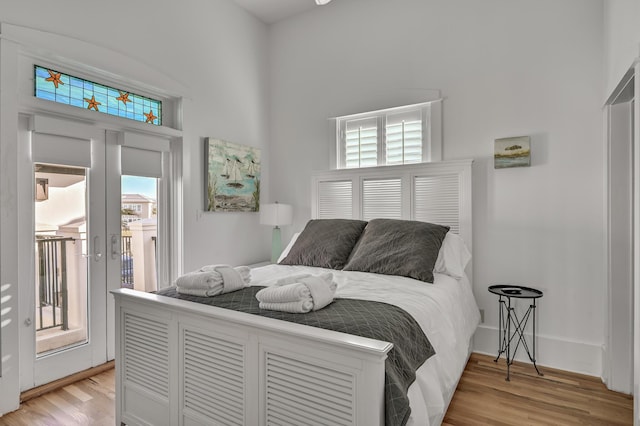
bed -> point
(180, 362)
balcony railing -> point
(127, 262)
(52, 278)
(51, 258)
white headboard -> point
(437, 192)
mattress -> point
(445, 310)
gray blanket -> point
(375, 320)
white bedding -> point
(446, 310)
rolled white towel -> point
(322, 289)
(244, 271)
(287, 293)
(231, 279)
(212, 280)
(200, 279)
(299, 307)
(317, 290)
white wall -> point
(622, 39)
(219, 52)
(505, 68)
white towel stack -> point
(212, 280)
(298, 293)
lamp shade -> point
(276, 214)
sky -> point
(139, 185)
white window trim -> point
(431, 131)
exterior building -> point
(143, 207)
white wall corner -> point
(605, 366)
(553, 352)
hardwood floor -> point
(87, 402)
(483, 398)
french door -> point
(95, 205)
(66, 246)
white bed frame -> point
(183, 363)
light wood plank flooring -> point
(483, 398)
(87, 402)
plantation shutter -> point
(335, 199)
(382, 198)
(437, 200)
(404, 137)
(409, 134)
(361, 143)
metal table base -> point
(512, 328)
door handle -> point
(114, 247)
(97, 254)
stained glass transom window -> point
(69, 90)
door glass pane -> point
(139, 211)
(60, 261)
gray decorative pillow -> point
(325, 243)
(398, 247)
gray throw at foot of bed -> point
(375, 320)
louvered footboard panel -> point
(145, 349)
(300, 393)
(214, 377)
(179, 363)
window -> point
(402, 135)
(134, 207)
(146, 165)
(139, 243)
(66, 89)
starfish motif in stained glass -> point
(74, 89)
(92, 103)
(150, 116)
(54, 78)
(124, 97)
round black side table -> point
(508, 318)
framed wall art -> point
(233, 177)
(512, 152)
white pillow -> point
(286, 250)
(453, 256)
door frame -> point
(632, 73)
(168, 190)
(56, 365)
(18, 45)
(619, 169)
(636, 245)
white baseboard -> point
(578, 357)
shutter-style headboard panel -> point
(429, 192)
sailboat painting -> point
(233, 177)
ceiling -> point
(270, 11)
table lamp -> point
(276, 215)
